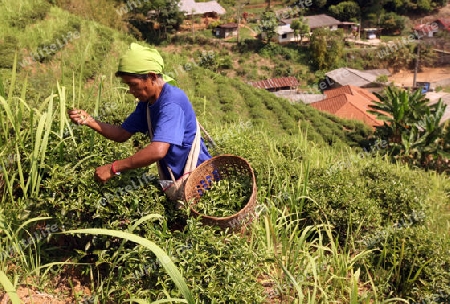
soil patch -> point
(406, 77)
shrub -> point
(9, 48)
(362, 199)
(30, 16)
(408, 260)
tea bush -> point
(362, 199)
(10, 47)
(59, 39)
(218, 266)
(29, 15)
(408, 260)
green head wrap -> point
(139, 59)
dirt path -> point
(406, 78)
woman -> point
(175, 145)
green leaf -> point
(9, 288)
(164, 259)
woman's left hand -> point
(103, 173)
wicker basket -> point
(214, 169)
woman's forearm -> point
(109, 131)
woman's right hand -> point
(80, 117)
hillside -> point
(98, 48)
(334, 223)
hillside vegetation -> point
(335, 223)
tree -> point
(398, 55)
(318, 4)
(399, 109)
(411, 126)
(300, 27)
(393, 23)
(326, 48)
(295, 25)
(345, 10)
(165, 18)
(268, 25)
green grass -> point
(389, 38)
(334, 225)
(306, 252)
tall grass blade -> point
(142, 301)
(165, 260)
(9, 288)
(62, 109)
(294, 283)
(34, 158)
(80, 80)
(10, 117)
(354, 287)
(145, 218)
(7, 180)
(20, 107)
(20, 169)
(99, 97)
(2, 88)
(13, 79)
(170, 301)
(34, 219)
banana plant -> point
(412, 126)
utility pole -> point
(359, 28)
(416, 67)
(239, 7)
(192, 22)
(238, 21)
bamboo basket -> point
(217, 168)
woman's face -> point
(142, 89)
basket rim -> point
(251, 201)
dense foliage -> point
(335, 223)
(413, 128)
(327, 47)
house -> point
(442, 24)
(322, 21)
(346, 76)
(191, 8)
(349, 102)
(425, 30)
(348, 27)
(431, 29)
(286, 34)
(276, 84)
(372, 33)
(226, 30)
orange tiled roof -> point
(349, 102)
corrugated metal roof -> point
(275, 83)
(346, 76)
(190, 7)
(321, 21)
(293, 95)
(316, 21)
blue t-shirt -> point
(174, 122)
